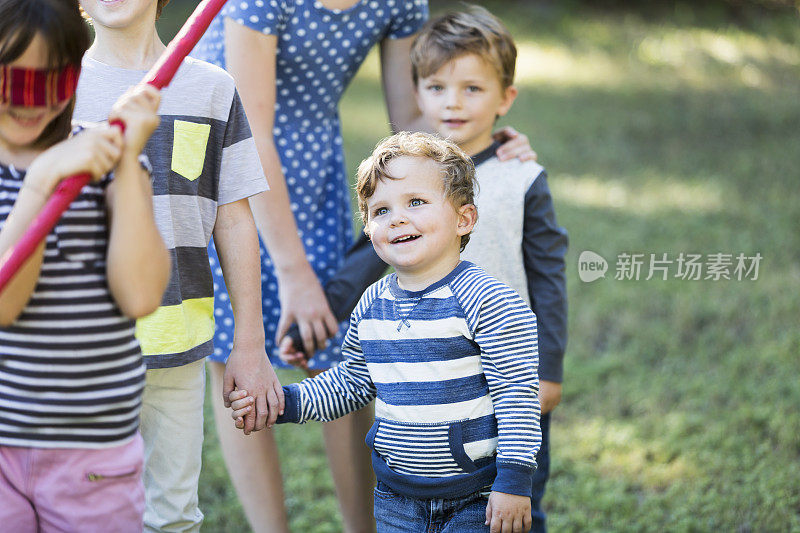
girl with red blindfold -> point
(71, 371)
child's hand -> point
(515, 144)
(241, 405)
(94, 150)
(549, 395)
(289, 355)
(508, 513)
(137, 109)
(249, 369)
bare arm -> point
(250, 57)
(137, 260)
(398, 86)
(248, 367)
(19, 289)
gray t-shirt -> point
(203, 155)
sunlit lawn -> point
(680, 409)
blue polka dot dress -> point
(319, 51)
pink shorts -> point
(67, 490)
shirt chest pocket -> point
(189, 148)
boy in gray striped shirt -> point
(205, 167)
(448, 352)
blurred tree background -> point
(666, 127)
(739, 12)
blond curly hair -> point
(458, 171)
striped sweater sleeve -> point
(505, 330)
(342, 389)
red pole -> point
(69, 189)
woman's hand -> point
(303, 301)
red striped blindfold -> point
(31, 87)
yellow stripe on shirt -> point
(177, 328)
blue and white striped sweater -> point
(453, 368)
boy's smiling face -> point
(413, 226)
(461, 100)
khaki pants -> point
(172, 428)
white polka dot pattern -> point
(319, 52)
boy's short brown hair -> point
(474, 31)
(458, 171)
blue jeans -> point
(395, 513)
(540, 478)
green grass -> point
(677, 132)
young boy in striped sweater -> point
(449, 352)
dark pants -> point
(540, 478)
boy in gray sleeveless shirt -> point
(463, 68)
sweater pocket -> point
(429, 450)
